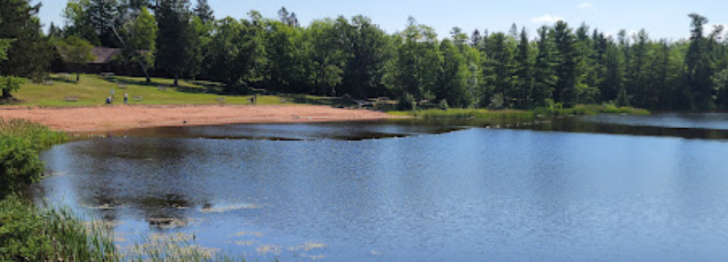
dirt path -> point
(107, 118)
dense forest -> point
(562, 65)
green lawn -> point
(93, 90)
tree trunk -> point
(144, 68)
(78, 77)
(6, 94)
(176, 79)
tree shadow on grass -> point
(199, 88)
(68, 79)
(337, 102)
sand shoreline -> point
(121, 117)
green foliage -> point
(407, 102)
(622, 98)
(78, 21)
(354, 57)
(325, 55)
(443, 105)
(233, 59)
(204, 11)
(4, 45)
(28, 233)
(30, 52)
(564, 41)
(19, 143)
(19, 164)
(544, 69)
(175, 37)
(363, 71)
(415, 67)
(453, 80)
(285, 64)
(10, 84)
(76, 51)
(143, 40)
(499, 70)
(523, 85)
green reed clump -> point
(28, 233)
(37, 136)
(175, 247)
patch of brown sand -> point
(110, 118)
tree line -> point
(560, 66)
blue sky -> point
(662, 19)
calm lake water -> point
(612, 188)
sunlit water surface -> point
(422, 192)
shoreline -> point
(124, 117)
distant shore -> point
(120, 117)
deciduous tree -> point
(76, 51)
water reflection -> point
(505, 195)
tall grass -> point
(590, 110)
(175, 247)
(28, 233)
(481, 114)
(38, 137)
(509, 115)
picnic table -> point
(221, 100)
(137, 98)
(71, 98)
(162, 88)
(107, 74)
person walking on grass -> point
(126, 98)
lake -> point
(602, 188)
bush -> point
(19, 164)
(20, 142)
(443, 105)
(407, 102)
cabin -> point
(107, 60)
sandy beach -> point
(109, 118)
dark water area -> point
(351, 131)
(588, 189)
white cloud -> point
(547, 19)
(586, 5)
